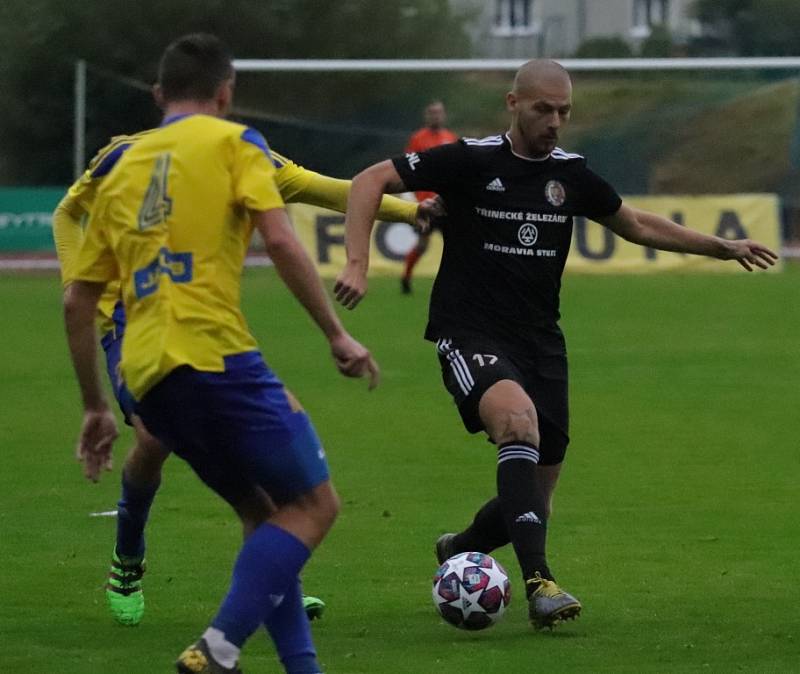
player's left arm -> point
(365, 196)
(655, 231)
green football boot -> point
(124, 590)
(313, 606)
(548, 604)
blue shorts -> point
(236, 429)
(112, 345)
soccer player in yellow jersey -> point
(172, 222)
(141, 474)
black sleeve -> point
(435, 170)
(599, 198)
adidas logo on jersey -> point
(496, 186)
(530, 516)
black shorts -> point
(471, 365)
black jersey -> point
(506, 236)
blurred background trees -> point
(121, 39)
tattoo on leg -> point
(519, 426)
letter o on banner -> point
(395, 239)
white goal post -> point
(449, 65)
(462, 65)
(437, 65)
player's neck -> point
(520, 148)
(192, 108)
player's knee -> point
(144, 461)
(254, 511)
(329, 507)
(518, 426)
(321, 505)
(509, 415)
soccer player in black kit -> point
(494, 309)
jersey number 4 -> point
(156, 205)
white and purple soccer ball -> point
(471, 591)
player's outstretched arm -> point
(368, 188)
(655, 231)
(332, 193)
(99, 428)
(300, 276)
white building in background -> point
(556, 28)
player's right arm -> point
(95, 266)
(77, 202)
(438, 170)
(67, 234)
(366, 192)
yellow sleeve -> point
(298, 184)
(393, 209)
(96, 261)
(292, 179)
(68, 216)
(68, 235)
(254, 174)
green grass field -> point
(675, 521)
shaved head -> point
(538, 74)
(540, 104)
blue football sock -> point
(132, 512)
(266, 569)
(291, 632)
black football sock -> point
(487, 532)
(523, 506)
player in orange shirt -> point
(432, 134)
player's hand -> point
(354, 360)
(350, 286)
(749, 254)
(94, 445)
(426, 211)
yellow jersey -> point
(295, 183)
(171, 222)
(69, 216)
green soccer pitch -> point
(675, 521)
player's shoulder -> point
(560, 155)
(481, 150)
(483, 144)
(487, 141)
(283, 164)
(250, 136)
(107, 157)
(231, 133)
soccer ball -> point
(471, 591)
